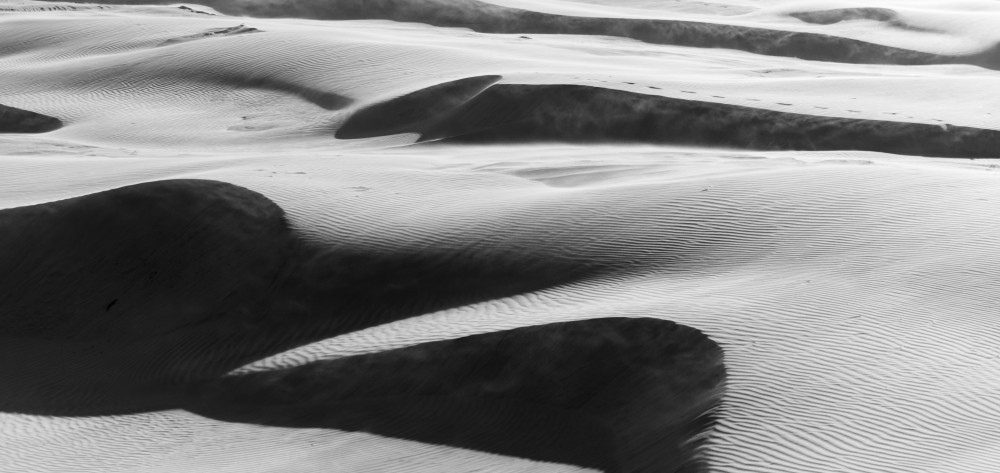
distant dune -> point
(489, 18)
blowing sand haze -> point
(267, 236)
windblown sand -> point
(430, 235)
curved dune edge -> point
(122, 298)
(411, 111)
(614, 394)
(16, 120)
(510, 113)
(489, 18)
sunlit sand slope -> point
(257, 236)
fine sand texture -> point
(737, 236)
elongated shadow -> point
(115, 302)
(614, 394)
(518, 113)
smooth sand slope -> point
(558, 236)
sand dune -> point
(490, 18)
(464, 111)
(500, 236)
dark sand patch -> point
(16, 120)
(513, 113)
(615, 394)
(115, 302)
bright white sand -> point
(855, 294)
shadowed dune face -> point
(15, 120)
(619, 395)
(106, 292)
(413, 111)
(510, 113)
(118, 299)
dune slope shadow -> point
(16, 120)
(615, 394)
(115, 302)
(506, 113)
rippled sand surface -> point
(452, 235)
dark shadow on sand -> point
(114, 302)
(614, 394)
(518, 113)
(142, 298)
(16, 120)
